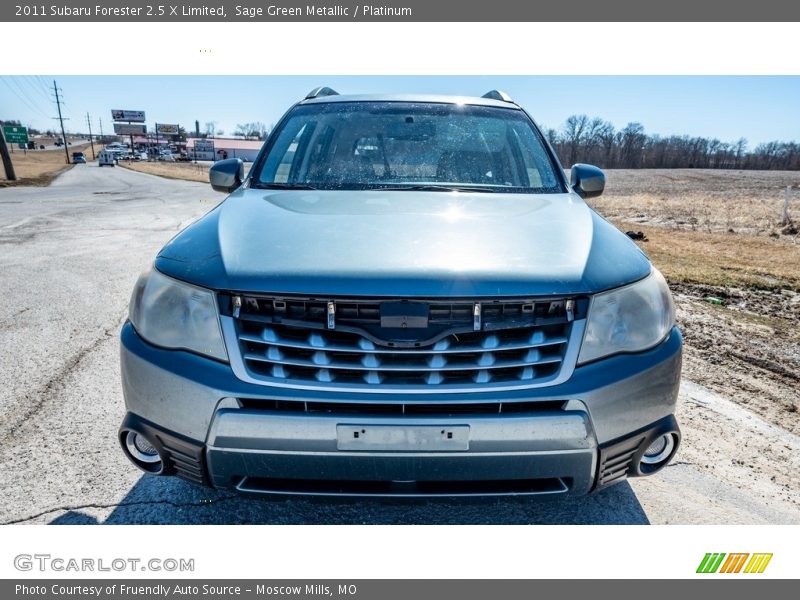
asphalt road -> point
(70, 255)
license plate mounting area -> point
(403, 438)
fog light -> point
(659, 450)
(141, 449)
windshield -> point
(407, 146)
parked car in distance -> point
(78, 157)
(405, 296)
(106, 158)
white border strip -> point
(403, 48)
(373, 552)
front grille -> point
(362, 343)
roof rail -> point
(321, 91)
(497, 95)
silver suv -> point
(403, 297)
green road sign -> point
(15, 135)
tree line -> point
(596, 141)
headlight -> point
(173, 314)
(629, 319)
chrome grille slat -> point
(318, 343)
(294, 362)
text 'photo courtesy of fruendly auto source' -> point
(400, 300)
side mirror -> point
(587, 181)
(226, 175)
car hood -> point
(402, 243)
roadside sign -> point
(203, 150)
(15, 135)
(201, 145)
(129, 129)
(137, 116)
(167, 129)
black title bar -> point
(316, 589)
(166, 11)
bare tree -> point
(595, 141)
(574, 129)
(256, 130)
(740, 147)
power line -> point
(31, 101)
(32, 98)
(45, 86)
(39, 93)
(34, 85)
(21, 99)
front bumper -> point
(211, 428)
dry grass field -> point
(173, 170)
(40, 167)
(734, 270)
(711, 227)
(704, 200)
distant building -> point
(221, 148)
(141, 142)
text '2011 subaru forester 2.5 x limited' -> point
(405, 296)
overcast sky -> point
(759, 108)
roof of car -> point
(411, 98)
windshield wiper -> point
(437, 188)
(283, 186)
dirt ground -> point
(734, 270)
(40, 167)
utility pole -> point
(101, 129)
(9, 167)
(89, 123)
(61, 120)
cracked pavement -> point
(70, 255)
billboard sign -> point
(136, 116)
(203, 150)
(167, 129)
(15, 135)
(204, 145)
(129, 129)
